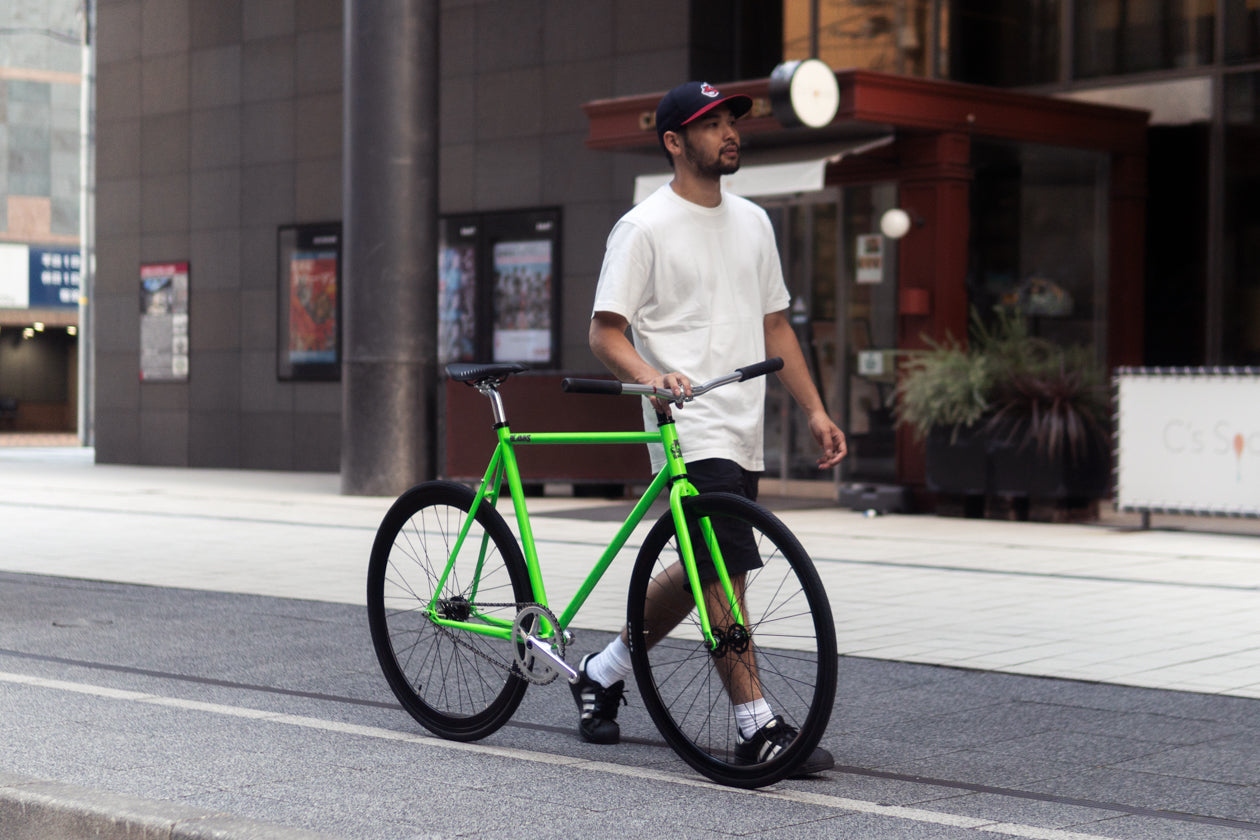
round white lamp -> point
(895, 223)
(804, 93)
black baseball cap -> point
(688, 101)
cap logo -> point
(709, 90)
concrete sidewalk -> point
(1175, 609)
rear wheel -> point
(458, 684)
(784, 649)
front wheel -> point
(458, 683)
(784, 650)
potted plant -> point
(1037, 411)
(942, 394)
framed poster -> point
(498, 288)
(164, 322)
(308, 307)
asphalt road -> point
(273, 709)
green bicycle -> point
(461, 623)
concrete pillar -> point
(390, 227)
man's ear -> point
(673, 142)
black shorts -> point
(739, 546)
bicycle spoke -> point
(783, 652)
(455, 681)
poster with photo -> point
(522, 301)
(164, 322)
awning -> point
(799, 176)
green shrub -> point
(1025, 389)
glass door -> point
(868, 299)
(842, 276)
(809, 246)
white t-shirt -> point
(695, 284)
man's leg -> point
(738, 670)
(669, 600)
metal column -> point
(389, 197)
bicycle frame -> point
(503, 465)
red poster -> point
(313, 307)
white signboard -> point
(14, 276)
(1189, 441)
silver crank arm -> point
(544, 649)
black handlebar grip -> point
(590, 386)
(760, 369)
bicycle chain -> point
(510, 667)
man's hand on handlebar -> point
(675, 383)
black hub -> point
(455, 609)
(734, 639)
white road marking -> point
(900, 812)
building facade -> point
(220, 167)
(42, 120)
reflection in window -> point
(735, 39)
(1038, 228)
(1132, 36)
(1242, 29)
(1241, 337)
(1002, 44)
(886, 35)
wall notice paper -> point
(870, 258)
(1189, 441)
(164, 322)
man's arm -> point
(781, 341)
(610, 345)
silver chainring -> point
(533, 666)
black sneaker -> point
(598, 707)
(772, 739)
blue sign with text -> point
(54, 277)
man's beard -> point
(711, 168)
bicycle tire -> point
(791, 632)
(457, 684)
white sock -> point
(751, 716)
(611, 664)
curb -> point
(36, 809)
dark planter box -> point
(1023, 470)
(957, 461)
(973, 462)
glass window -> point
(735, 39)
(1133, 36)
(1241, 303)
(1002, 44)
(1039, 222)
(1176, 245)
(886, 35)
(1242, 29)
